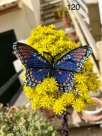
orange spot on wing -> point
(31, 72)
(60, 85)
(64, 84)
(67, 80)
(62, 60)
(84, 50)
(83, 53)
(21, 50)
(36, 81)
(60, 72)
(80, 57)
(32, 79)
(68, 75)
(41, 59)
(77, 64)
(25, 61)
(19, 47)
(39, 81)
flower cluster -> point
(46, 94)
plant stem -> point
(64, 122)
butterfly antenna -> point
(48, 54)
(52, 56)
(56, 55)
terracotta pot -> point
(13, 108)
(77, 40)
(99, 110)
(92, 115)
(65, 20)
(72, 34)
(56, 15)
(67, 25)
(90, 118)
(74, 39)
(47, 112)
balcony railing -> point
(8, 84)
(78, 18)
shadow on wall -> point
(32, 12)
(36, 6)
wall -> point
(22, 20)
(100, 9)
(36, 7)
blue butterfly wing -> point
(37, 67)
(29, 56)
(64, 78)
(35, 76)
(69, 63)
(74, 60)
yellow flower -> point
(47, 101)
(48, 39)
(59, 106)
(23, 67)
(48, 85)
(23, 76)
(68, 98)
(81, 88)
(79, 104)
(29, 91)
(80, 78)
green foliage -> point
(62, 11)
(25, 122)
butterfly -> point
(38, 67)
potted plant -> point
(47, 94)
(56, 15)
(25, 121)
(92, 113)
(62, 12)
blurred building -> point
(17, 18)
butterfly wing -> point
(35, 76)
(74, 60)
(29, 56)
(69, 63)
(37, 67)
(64, 78)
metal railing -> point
(8, 84)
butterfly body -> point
(38, 67)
